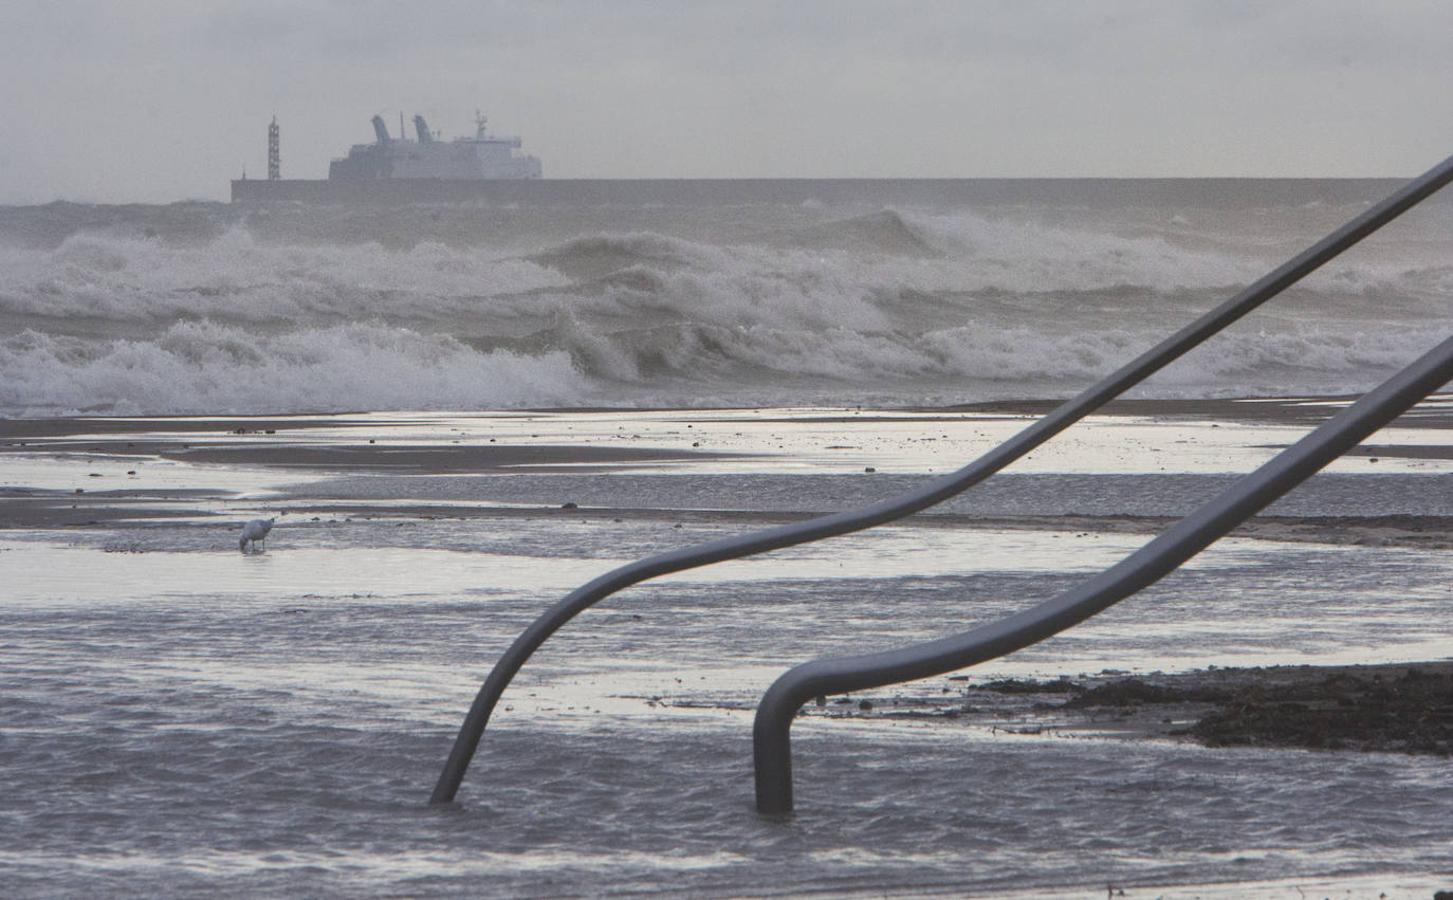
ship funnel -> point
(423, 129)
(380, 130)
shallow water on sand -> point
(182, 718)
(245, 724)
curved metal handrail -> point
(771, 732)
(933, 492)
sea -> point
(181, 719)
(901, 293)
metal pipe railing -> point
(771, 733)
(934, 491)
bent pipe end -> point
(793, 689)
(772, 738)
(772, 728)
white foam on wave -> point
(1310, 357)
(205, 367)
(1020, 255)
(208, 367)
(593, 255)
(826, 312)
(239, 278)
(759, 364)
(236, 277)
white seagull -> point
(255, 531)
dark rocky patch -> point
(1408, 713)
(1030, 686)
(1399, 709)
(1134, 692)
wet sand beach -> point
(428, 444)
(189, 718)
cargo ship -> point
(398, 169)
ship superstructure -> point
(483, 157)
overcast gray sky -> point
(157, 101)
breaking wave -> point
(770, 305)
(204, 367)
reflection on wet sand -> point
(179, 715)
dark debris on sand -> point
(1403, 709)
(1409, 713)
(1133, 692)
(1372, 708)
